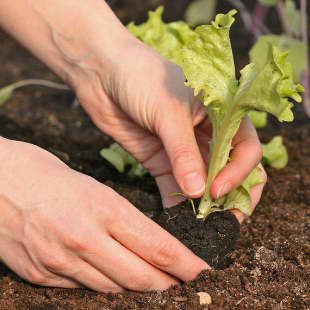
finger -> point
(61, 282)
(177, 134)
(126, 268)
(168, 186)
(256, 193)
(15, 255)
(89, 276)
(66, 261)
(203, 134)
(78, 272)
(61, 260)
(246, 155)
(160, 168)
(18, 260)
(155, 245)
(166, 181)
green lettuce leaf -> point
(114, 159)
(208, 64)
(120, 158)
(272, 97)
(208, 61)
(166, 39)
(275, 153)
(259, 119)
(240, 198)
(297, 52)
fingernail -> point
(224, 189)
(193, 184)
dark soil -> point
(212, 239)
(270, 267)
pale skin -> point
(61, 228)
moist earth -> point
(270, 266)
(212, 239)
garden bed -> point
(270, 267)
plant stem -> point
(306, 73)
(39, 82)
(220, 156)
(283, 18)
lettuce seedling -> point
(208, 65)
(7, 92)
(275, 153)
(120, 158)
(207, 60)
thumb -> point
(178, 138)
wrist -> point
(70, 37)
(85, 44)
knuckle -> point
(34, 276)
(182, 153)
(75, 244)
(109, 207)
(112, 289)
(164, 255)
(140, 283)
(55, 263)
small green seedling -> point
(120, 158)
(206, 58)
(275, 153)
(7, 92)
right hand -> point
(61, 228)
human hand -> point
(145, 106)
(61, 228)
(131, 93)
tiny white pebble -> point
(205, 298)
